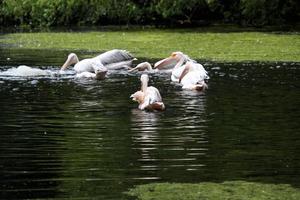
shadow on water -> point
(71, 138)
(292, 29)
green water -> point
(220, 45)
(83, 139)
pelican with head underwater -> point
(98, 66)
(147, 68)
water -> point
(84, 139)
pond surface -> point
(83, 139)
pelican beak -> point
(184, 72)
(66, 64)
(165, 63)
(137, 96)
(133, 97)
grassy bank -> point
(234, 190)
(157, 43)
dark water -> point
(84, 139)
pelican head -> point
(72, 59)
(138, 96)
(173, 59)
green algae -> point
(158, 43)
(231, 190)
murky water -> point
(84, 139)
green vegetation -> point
(167, 12)
(157, 43)
(234, 190)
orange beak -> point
(66, 64)
(138, 96)
(166, 63)
(184, 72)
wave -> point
(24, 71)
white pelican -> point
(110, 60)
(144, 66)
(25, 71)
(177, 60)
(148, 97)
(99, 76)
(193, 77)
(147, 67)
(186, 71)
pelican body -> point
(148, 98)
(99, 65)
(193, 77)
(187, 72)
(25, 71)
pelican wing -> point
(115, 56)
(153, 94)
(200, 69)
(119, 65)
(84, 65)
(193, 78)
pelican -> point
(25, 71)
(177, 58)
(186, 71)
(99, 76)
(147, 67)
(148, 97)
(144, 66)
(193, 77)
(99, 65)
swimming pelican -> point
(193, 77)
(186, 71)
(98, 76)
(110, 60)
(144, 66)
(25, 71)
(179, 59)
(148, 97)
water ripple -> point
(63, 137)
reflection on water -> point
(144, 126)
(70, 138)
(171, 143)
